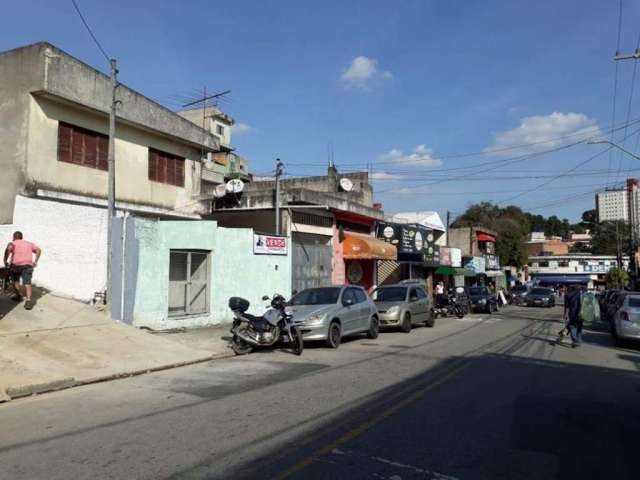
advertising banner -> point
(270, 245)
(475, 264)
(445, 256)
(493, 262)
(406, 238)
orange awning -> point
(364, 247)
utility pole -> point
(448, 224)
(279, 171)
(111, 158)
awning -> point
(446, 271)
(562, 279)
(357, 246)
(465, 272)
(485, 237)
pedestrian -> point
(19, 257)
(440, 294)
(572, 306)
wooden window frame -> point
(83, 147)
(166, 168)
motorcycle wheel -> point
(239, 346)
(298, 342)
(459, 312)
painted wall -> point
(132, 160)
(235, 271)
(73, 239)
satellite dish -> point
(346, 184)
(220, 191)
(235, 186)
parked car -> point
(403, 305)
(540, 297)
(613, 304)
(482, 300)
(330, 313)
(518, 294)
(625, 324)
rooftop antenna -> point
(204, 100)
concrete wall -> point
(235, 271)
(73, 240)
(461, 238)
(18, 74)
(132, 160)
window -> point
(563, 263)
(316, 296)
(220, 130)
(390, 294)
(188, 282)
(421, 293)
(413, 295)
(348, 295)
(543, 264)
(166, 168)
(360, 295)
(82, 147)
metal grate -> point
(312, 219)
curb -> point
(11, 393)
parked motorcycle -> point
(451, 307)
(275, 326)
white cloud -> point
(363, 73)
(421, 156)
(384, 176)
(241, 128)
(541, 132)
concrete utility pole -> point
(279, 171)
(111, 200)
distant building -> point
(575, 268)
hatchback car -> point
(482, 300)
(625, 324)
(403, 306)
(540, 297)
(330, 313)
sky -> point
(446, 103)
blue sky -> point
(397, 87)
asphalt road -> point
(478, 398)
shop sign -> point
(456, 257)
(406, 238)
(432, 255)
(493, 262)
(270, 245)
(355, 272)
(596, 268)
(475, 264)
(445, 256)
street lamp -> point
(594, 141)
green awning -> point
(465, 272)
(446, 271)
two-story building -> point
(574, 268)
(54, 123)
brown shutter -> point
(180, 172)
(153, 168)
(103, 152)
(90, 150)
(171, 169)
(64, 142)
(77, 147)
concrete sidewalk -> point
(63, 343)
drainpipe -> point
(123, 263)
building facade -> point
(578, 268)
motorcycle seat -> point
(259, 324)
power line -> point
(86, 25)
(615, 86)
(633, 82)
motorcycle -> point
(451, 307)
(276, 325)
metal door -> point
(311, 261)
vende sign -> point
(270, 245)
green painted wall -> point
(235, 271)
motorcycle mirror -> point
(266, 297)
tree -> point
(605, 236)
(616, 278)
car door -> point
(424, 305)
(349, 312)
(413, 303)
(364, 311)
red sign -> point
(270, 245)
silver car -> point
(403, 306)
(330, 313)
(626, 321)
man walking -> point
(572, 305)
(22, 263)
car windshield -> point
(478, 291)
(316, 296)
(390, 294)
(541, 291)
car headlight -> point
(393, 310)
(314, 320)
(482, 300)
(545, 299)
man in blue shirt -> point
(572, 304)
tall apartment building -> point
(613, 205)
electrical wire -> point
(631, 90)
(615, 85)
(75, 5)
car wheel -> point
(374, 328)
(334, 335)
(430, 321)
(406, 323)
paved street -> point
(477, 398)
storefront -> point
(360, 253)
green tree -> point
(605, 236)
(616, 278)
